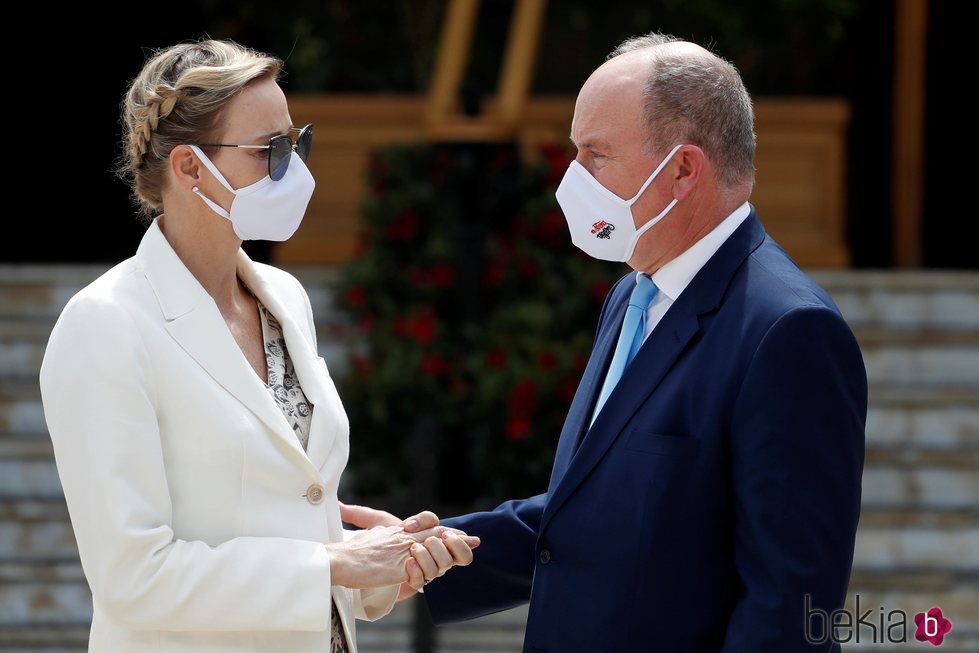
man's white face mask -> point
(600, 221)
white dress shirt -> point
(673, 278)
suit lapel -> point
(583, 404)
(668, 341)
(196, 324)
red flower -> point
(356, 296)
(442, 275)
(496, 359)
(522, 399)
(551, 225)
(433, 365)
(599, 289)
(417, 277)
(404, 227)
(422, 328)
(567, 388)
(366, 323)
(362, 365)
(547, 360)
(518, 429)
(558, 159)
(529, 269)
(399, 326)
(459, 385)
(493, 274)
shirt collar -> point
(673, 278)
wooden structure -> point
(801, 164)
(800, 161)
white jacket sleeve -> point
(97, 388)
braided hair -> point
(177, 98)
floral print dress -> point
(283, 385)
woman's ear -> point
(185, 169)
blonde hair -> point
(177, 98)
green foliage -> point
(476, 315)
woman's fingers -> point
(416, 577)
(364, 517)
(421, 522)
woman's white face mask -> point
(265, 210)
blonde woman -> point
(197, 433)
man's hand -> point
(445, 548)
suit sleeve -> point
(502, 570)
(797, 449)
(97, 389)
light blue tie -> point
(631, 336)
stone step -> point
(897, 416)
(29, 479)
(46, 551)
(887, 485)
(38, 541)
(44, 638)
(912, 300)
(941, 364)
(21, 410)
(903, 299)
(891, 549)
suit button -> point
(314, 494)
(545, 556)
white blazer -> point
(200, 519)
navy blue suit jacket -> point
(719, 485)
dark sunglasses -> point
(279, 148)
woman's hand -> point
(386, 555)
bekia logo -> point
(932, 626)
(841, 626)
(602, 229)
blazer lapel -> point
(655, 358)
(195, 322)
(313, 377)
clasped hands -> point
(391, 551)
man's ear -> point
(688, 165)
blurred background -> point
(450, 304)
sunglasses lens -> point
(305, 142)
(279, 158)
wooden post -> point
(501, 121)
(908, 160)
(453, 55)
(518, 62)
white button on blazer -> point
(188, 490)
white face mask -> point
(600, 221)
(265, 210)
